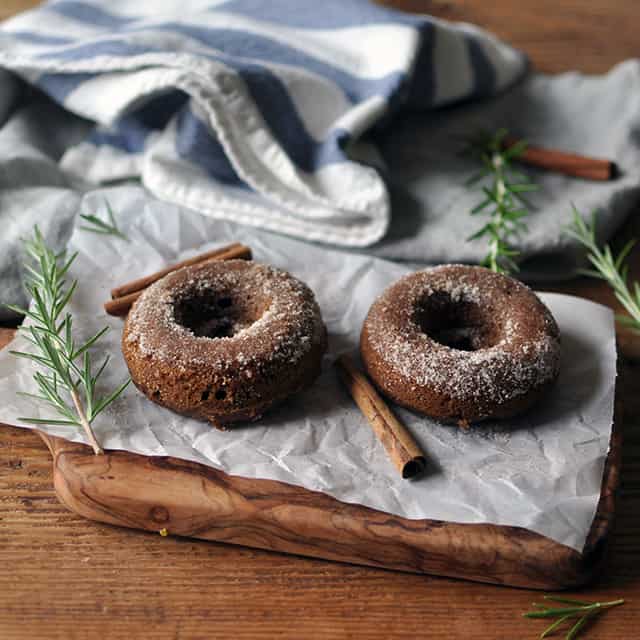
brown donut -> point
(224, 341)
(461, 343)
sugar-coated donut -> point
(461, 343)
(224, 341)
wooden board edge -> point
(595, 546)
(192, 500)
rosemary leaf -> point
(505, 218)
(89, 343)
(580, 603)
(522, 188)
(553, 626)
(97, 225)
(49, 421)
(552, 613)
(66, 382)
(608, 268)
(583, 611)
(109, 399)
(573, 632)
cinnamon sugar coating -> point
(224, 341)
(461, 343)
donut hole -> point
(212, 314)
(459, 324)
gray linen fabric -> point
(597, 115)
(591, 115)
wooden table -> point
(64, 577)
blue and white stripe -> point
(250, 110)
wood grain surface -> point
(62, 576)
(187, 499)
(9, 7)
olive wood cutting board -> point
(190, 499)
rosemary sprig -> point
(67, 382)
(96, 225)
(583, 611)
(609, 268)
(503, 196)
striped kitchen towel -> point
(251, 110)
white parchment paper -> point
(542, 471)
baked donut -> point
(224, 341)
(461, 343)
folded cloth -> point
(248, 110)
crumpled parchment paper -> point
(541, 471)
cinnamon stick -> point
(403, 450)
(235, 250)
(121, 306)
(125, 295)
(568, 163)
